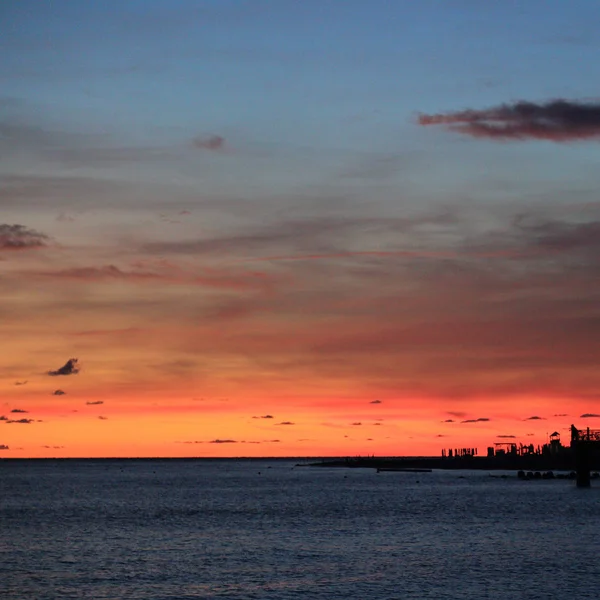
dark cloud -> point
(264, 417)
(21, 421)
(559, 236)
(561, 415)
(69, 368)
(479, 420)
(448, 421)
(21, 382)
(506, 436)
(18, 410)
(357, 423)
(589, 416)
(286, 423)
(58, 393)
(214, 143)
(4, 447)
(3, 418)
(95, 402)
(534, 418)
(103, 418)
(557, 120)
(375, 402)
(218, 441)
(19, 237)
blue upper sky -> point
(313, 98)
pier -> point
(585, 444)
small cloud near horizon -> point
(448, 421)
(286, 423)
(58, 393)
(478, 420)
(18, 410)
(589, 416)
(376, 402)
(219, 441)
(69, 368)
(506, 436)
(4, 447)
(534, 418)
(95, 402)
(264, 417)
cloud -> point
(21, 421)
(3, 418)
(375, 402)
(69, 368)
(19, 237)
(286, 423)
(95, 402)
(589, 416)
(4, 447)
(21, 382)
(221, 278)
(506, 436)
(556, 120)
(53, 447)
(218, 441)
(18, 410)
(264, 417)
(58, 393)
(103, 418)
(357, 423)
(479, 420)
(534, 418)
(214, 143)
(448, 421)
(561, 415)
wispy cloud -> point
(589, 416)
(506, 436)
(479, 420)
(95, 402)
(19, 410)
(286, 423)
(214, 143)
(19, 237)
(21, 421)
(69, 368)
(219, 441)
(375, 402)
(557, 120)
(534, 418)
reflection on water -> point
(267, 529)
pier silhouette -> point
(585, 444)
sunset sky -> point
(297, 228)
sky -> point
(282, 228)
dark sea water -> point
(170, 529)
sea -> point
(278, 529)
